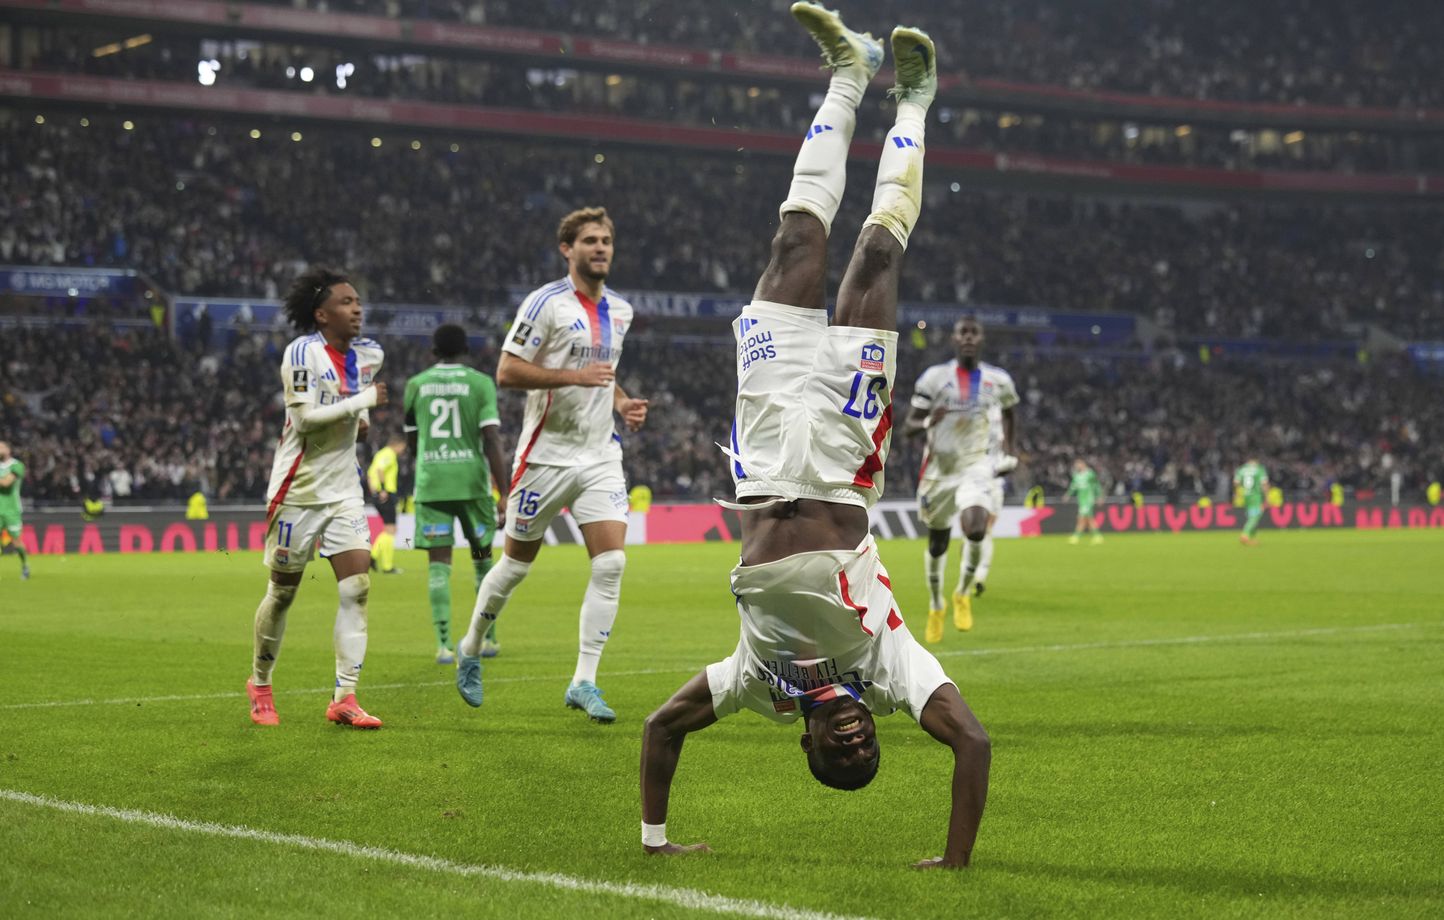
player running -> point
(314, 503)
(1087, 489)
(1253, 481)
(563, 350)
(954, 404)
(12, 474)
(454, 431)
(383, 476)
(821, 637)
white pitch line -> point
(303, 691)
(688, 898)
(1015, 650)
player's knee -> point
(607, 568)
(795, 239)
(975, 532)
(938, 542)
(281, 596)
(354, 589)
(875, 255)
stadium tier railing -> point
(214, 18)
(80, 91)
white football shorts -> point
(597, 492)
(814, 406)
(941, 501)
(298, 532)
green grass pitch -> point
(1181, 727)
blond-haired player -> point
(563, 349)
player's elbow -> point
(656, 727)
(972, 744)
(507, 373)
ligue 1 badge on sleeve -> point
(873, 356)
(300, 380)
(522, 331)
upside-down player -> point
(821, 636)
(954, 404)
(314, 503)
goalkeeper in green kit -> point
(1087, 489)
(1253, 481)
(452, 428)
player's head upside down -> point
(841, 744)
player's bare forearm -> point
(948, 719)
(916, 422)
(1010, 428)
(517, 373)
(495, 460)
(689, 710)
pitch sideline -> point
(973, 652)
(688, 898)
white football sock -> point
(599, 612)
(820, 173)
(898, 196)
(495, 591)
(270, 627)
(985, 561)
(933, 566)
(350, 633)
(972, 553)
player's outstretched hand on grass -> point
(937, 862)
(634, 413)
(672, 849)
(600, 374)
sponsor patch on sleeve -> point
(873, 357)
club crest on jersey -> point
(365, 376)
(618, 327)
(873, 357)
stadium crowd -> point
(1330, 52)
(135, 416)
(206, 209)
(707, 102)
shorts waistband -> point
(818, 491)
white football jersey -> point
(964, 435)
(819, 626)
(320, 467)
(558, 327)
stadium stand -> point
(233, 203)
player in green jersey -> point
(12, 473)
(1253, 481)
(1087, 489)
(452, 428)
